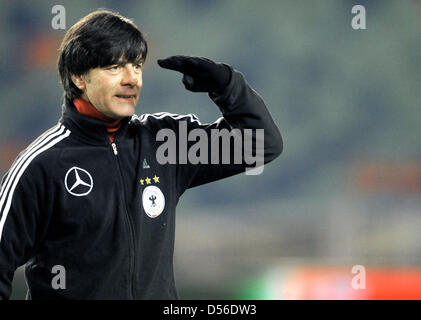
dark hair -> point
(97, 40)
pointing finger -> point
(181, 64)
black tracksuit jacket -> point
(75, 200)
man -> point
(92, 198)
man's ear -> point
(79, 82)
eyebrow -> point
(122, 62)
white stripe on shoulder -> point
(54, 131)
(48, 140)
(42, 136)
(161, 115)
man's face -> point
(112, 90)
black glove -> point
(200, 74)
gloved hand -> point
(200, 74)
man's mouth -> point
(126, 96)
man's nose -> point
(130, 76)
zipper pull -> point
(114, 148)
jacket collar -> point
(88, 129)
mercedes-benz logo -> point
(78, 182)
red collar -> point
(87, 109)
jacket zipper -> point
(114, 148)
(132, 236)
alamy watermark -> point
(358, 22)
(59, 20)
(214, 146)
(358, 281)
(59, 280)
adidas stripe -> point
(160, 115)
(44, 142)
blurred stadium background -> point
(347, 189)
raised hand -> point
(199, 74)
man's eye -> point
(138, 66)
(113, 68)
